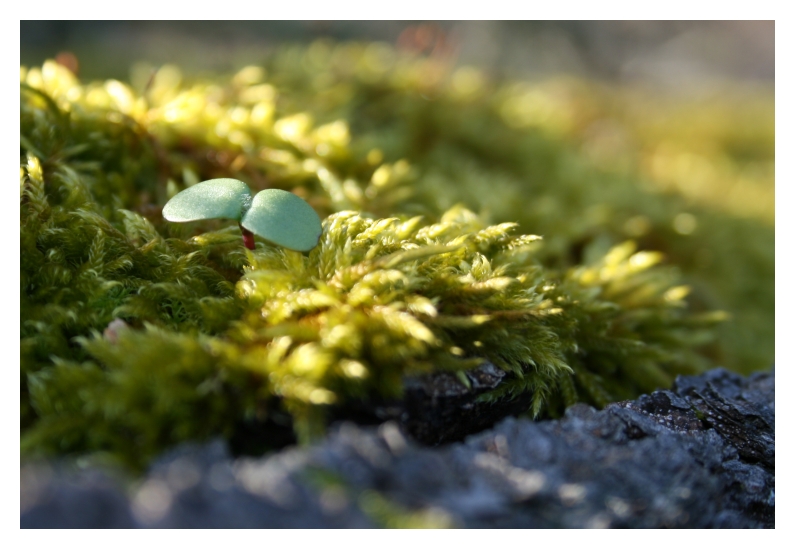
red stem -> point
(248, 238)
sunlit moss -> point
(432, 183)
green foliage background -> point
(654, 217)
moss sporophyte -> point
(273, 214)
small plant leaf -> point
(216, 198)
(284, 219)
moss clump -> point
(138, 334)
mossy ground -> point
(432, 183)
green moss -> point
(406, 279)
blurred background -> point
(671, 54)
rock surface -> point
(439, 408)
(700, 455)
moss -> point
(421, 176)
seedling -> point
(273, 214)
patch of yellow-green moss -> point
(137, 334)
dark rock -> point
(701, 455)
(56, 498)
(439, 408)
